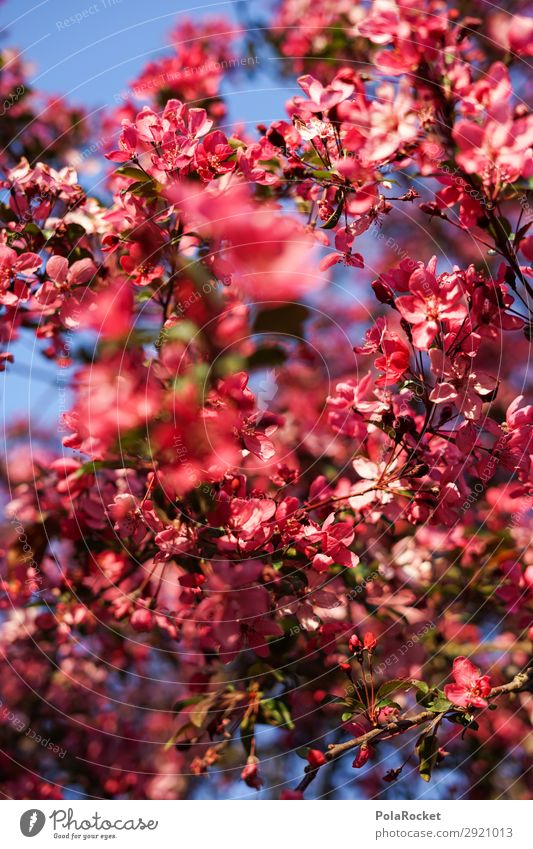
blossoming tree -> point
(281, 539)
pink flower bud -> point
(355, 644)
(142, 619)
(250, 774)
(370, 641)
(363, 755)
(316, 758)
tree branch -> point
(402, 724)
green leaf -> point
(401, 684)
(407, 493)
(355, 705)
(202, 709)
(427, 749)
(183, 703)
(302, 752)
(333, 220)
(321, 174)
(134, 173)
(391, 686)
(346, 717)
(500, 229)
(181, 735)
(457, 719)
(287, 319)
(266, 358)
(90, 468)
(144, 295)
(260, 667)
(388, 703)
(522, 231)
(143, 189)
(168, 745)
(286, 715)
(75, 232)
(32, 229)
(236, 143)
(6, 214)
(275, 712)
(183, 331)
(247, 729)
(440, 705)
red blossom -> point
(470, 688)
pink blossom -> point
(470, 689)
(460, 384)
(431, 301)
(394, 360)
(321, 98)
(334, 540)
(13, 267)
(214, 156)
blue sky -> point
(91, 59)
(89, 50)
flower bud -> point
(291, 794)
(369, 641)
(362, 756)
(354, 644)
(250, 774)
(383, 292)
(142, 619)
(316, 758)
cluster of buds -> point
(357, 647)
